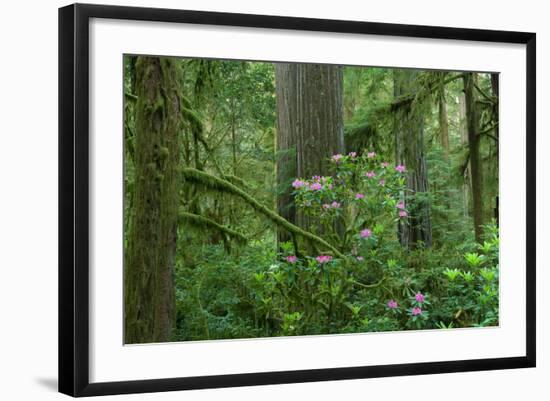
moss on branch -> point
(202, 222)
(218, 184)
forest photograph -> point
(268, 199)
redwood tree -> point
(151, 240)
(472, 123)
(310, 127)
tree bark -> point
(495, 86)
(463, 127)
(472, 120)
(409, 146)
(310, 128)
(149, 256)
(443, 120)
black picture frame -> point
(74, 194)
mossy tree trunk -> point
(310, 128)
(410, 151)
(472, 123)
(495, 87)
(443, 118)
(463, 127)
(149, 255)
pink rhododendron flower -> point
(316, 178)
(382, 183)
(298, 184)
(326, 206)
(323, 259)
(366, 233)
(336, 158)
(385, 164)
(416, 311)
(352, 154)
(316, 186)
(401, 205)
(400, 168)
(359, 196)
(419, 297)
(335, 205)
(370, 174)
(360, 258)
(392, 304)
(402, 213)
(291, 259)
(370, 155)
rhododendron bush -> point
(370, 285)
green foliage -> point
(345, 270)
(263, 293)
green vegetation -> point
(276, 199)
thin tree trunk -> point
(496, 92)
(409, 145)
(495, 86)
(443, 122)
(309, 128)
(149, 256)
(463, 127)
(472, 119)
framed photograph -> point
(250, 199)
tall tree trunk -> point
(309, 128)
(409, 146)
(443, 120)
(149, 256)
(495, 86)
(472, 119)
(463, 127)
(287, 100)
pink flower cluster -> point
(371, 155)
(370, 174)
(291, 259)
(419, 297)
(316, 186)
(333, 205)
(416, 311)
(323, 259)
(392, 304)
(400, 168)
(337, 158)
(298, 183)
(359, 196)
(366, 233)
